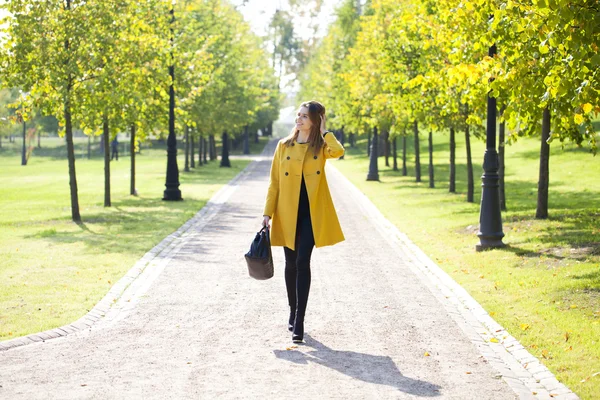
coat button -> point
(286, 174)
(315, 157)
(288, 157)
(318, 172)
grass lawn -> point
(53, 271)
(545, 286)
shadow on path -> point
(368, 368)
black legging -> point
(297, 262)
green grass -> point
(53, 271)
(545, 286)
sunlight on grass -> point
(545, 286)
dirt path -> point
(196, 326)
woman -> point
(300, 206)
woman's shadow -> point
(373, 369)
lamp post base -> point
(172, 195)
(490, 242)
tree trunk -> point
(89, 147)
(75, 216)
(186, 167)
(225, 151)
(0, 141)
(24, 147)
(541, 211)
(132, 190)
(256, 137)
(192, 149)
(39, 140)
(452, 183)
(204, 149)
(246, 140)
(373, 174)
(417, 153)
(352, 139)
(386, 148)
(105, 134)
(470, 184)
(404, 169)
(213, 147)
(200, 147)
(271, 128)
(342, 137)
(501, 149)
(395, 154)
(431, 178)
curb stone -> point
(523, 372)
(128, 290)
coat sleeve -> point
(333, 148)
(273, 191)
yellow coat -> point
(289, 163)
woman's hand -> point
(323, 119)
(266, 220)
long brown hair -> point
(316, 111)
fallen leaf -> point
(525, 326)
(481, 276)
(567, 336)
(569, 348)
(494, 340)
(545, 353)
(84, 384)
(426, 354)
(492, 313)
(469, 372)
(573, 305)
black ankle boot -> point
(291, 321)
(298, 331)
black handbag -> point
(259, 258)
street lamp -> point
(490, 219)
(172, 192)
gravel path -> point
(196, 326)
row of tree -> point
(104, 66)
(402, 67)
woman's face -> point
(303, 122)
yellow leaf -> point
(492, 313)
(427, 354)
(573, 305)
(545, 353)
(567, 336)
(469, 372)
(587, 108)
(481, 276)
(525, 326)
(494, 340)
(569, 348)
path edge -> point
(529, 378)
(159, 255)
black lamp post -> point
(490, 219)
(172, 192)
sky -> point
(260, 12)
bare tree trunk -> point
(89, 147)
(200, 147)
(246, 140)
(470, 184)
(75, 216)
(186, 167)
(431, 177)
(404, 169)
(132, 190)
(417, 152)
(39, 140)
(105, 134)
(541, 211)
(386, 148)
(225, 151)
(452, 184)
(395, 154)
(213, 147)
(192, 159)
(501, 151)
(205, 149)
(24, 148)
